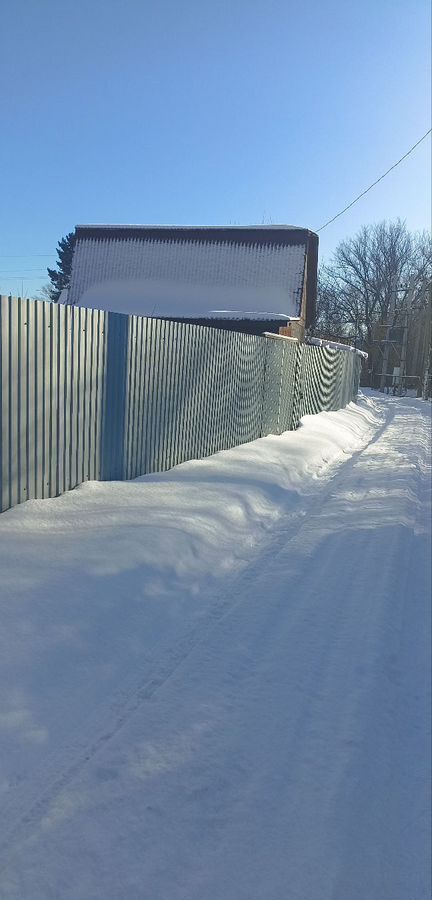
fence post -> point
(114, 407)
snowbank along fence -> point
(87, 394)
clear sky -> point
(207, 112)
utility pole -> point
(407, 304)
(428, 364)
(389, 327)
(427, 377)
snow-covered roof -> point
(239, 315)
(191, 271)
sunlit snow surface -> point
(188, 278)
(214, 680)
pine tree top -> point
(60, 277)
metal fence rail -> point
(86, 394)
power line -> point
(333, 219)
(375, 182)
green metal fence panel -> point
(280, 384)
(51, 373)
(329, 379)
(289, 387)
(190, 391)
(272, 386)
(86, 394)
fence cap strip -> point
(335, 345)
(280, 337)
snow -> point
(280, 337)
(171, 277)
(214, 679)
(247, 314)
(335, 345)
(203, 228)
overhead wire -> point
(366, 191)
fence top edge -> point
(317, 342)
(280, 337)
(334, 345)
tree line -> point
(355, 286)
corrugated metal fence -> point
(87, 394)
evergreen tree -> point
(60, 277)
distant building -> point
(253, 278)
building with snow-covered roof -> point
(225, 276)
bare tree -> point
(355, 286)
(44, 293)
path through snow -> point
(215, 680)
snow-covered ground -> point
(214, 680)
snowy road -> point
(216, 680)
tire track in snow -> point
(20, 820)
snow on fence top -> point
(280, 337)
(335, 345)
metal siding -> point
(81, 397)
(60, 364)
(193, 428)
(87, 394)
(4, 397)
(50, 443)
(23, 405)
(115, 396)
(100, 366)
(86, 365)
(37, 419)
(199, 391)
(142, 406)
(133, 423)
(172, 435)
(154, 374)
(130, 397)
(14, 393)
(91, 432)
(136, 466)
(186, 369)
(74, 375)
(288, 387)
(148, 375)
(272, 386)
(31, 401)
(140, 375)
(181, 334)
(68, 398)
(163, 400)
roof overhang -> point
(244, 234)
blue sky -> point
(195, 112)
